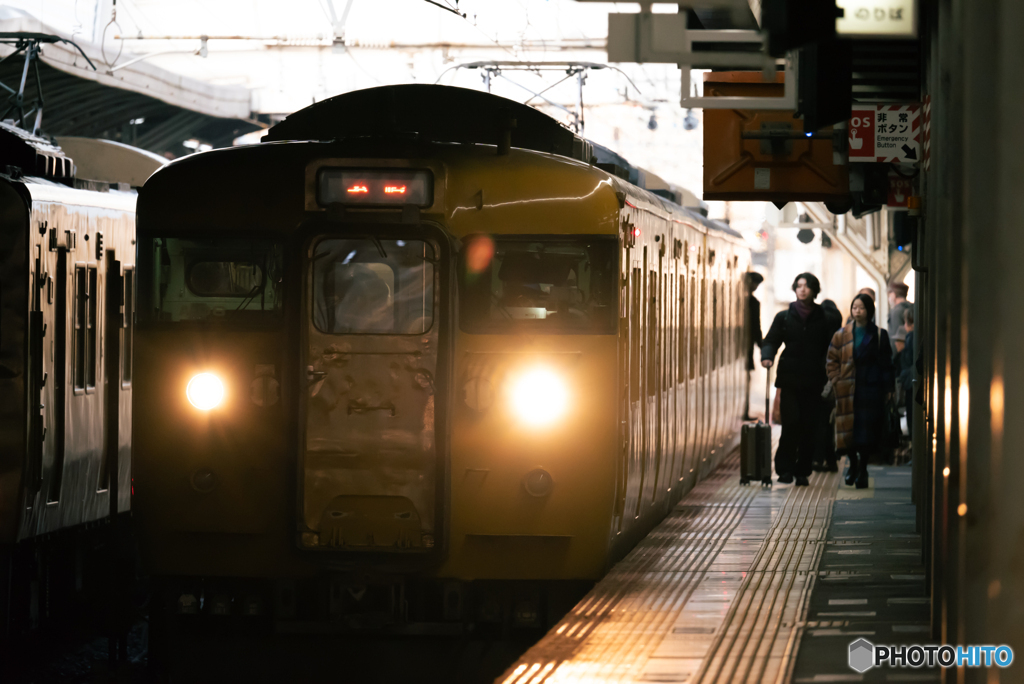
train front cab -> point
(295, 427)
(296, 434)
(372, 422)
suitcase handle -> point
(767, 396)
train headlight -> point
(539, 397)
(205, 391)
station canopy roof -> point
(132, 102)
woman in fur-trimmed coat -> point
(860, 368)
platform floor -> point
(748, 584)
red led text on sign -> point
(358, 189)
(394, 189)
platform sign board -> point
(900, 189)
(885, 133)
(877, 19)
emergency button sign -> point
(886, 133)
(862, 135)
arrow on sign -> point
(909, 152)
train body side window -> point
(652, 360)
(693, 327)
(680, 329)
(714, 325)
(704, 327)
(128, 323)
(634, 334)
(81, 305)
(91, 356)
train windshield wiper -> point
(380, 246)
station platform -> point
(748, 584)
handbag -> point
(893, 429)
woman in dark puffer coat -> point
(860, 368)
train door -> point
(629, 363)
(681, 372)
(372, 466)
(646, 359)
(692, 407)
(656, 373)
(628, 359)
(60, 364)
(109, 466)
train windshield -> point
(373, 286)
(210, 279)
(539, 284)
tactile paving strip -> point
(713, 594)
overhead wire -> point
(463, 16)
(445, 8)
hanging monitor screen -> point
(376, 187)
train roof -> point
(47, 173)
(446, 114)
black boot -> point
(851, 471)
(862, 474)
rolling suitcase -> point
(756, 447)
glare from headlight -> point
(205, 391)
(539, 397)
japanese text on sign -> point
(877, 18)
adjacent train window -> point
(81, 301)
(128, 323)
(652, 359)
(209, 280)
(86, 326)
(364, 286)
(680, 329)
(539, 284)
(92, 324)
(636, 297)
(693, 327)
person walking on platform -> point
(825, 454)
(898, 305)
(752, 280)
(805, 331)
(860, 368)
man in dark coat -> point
(752, 280)
(805, 331)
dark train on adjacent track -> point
(67, 260)
(423, 357)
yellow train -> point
(420, 357)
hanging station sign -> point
(885, 133)
(877, 19)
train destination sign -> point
(885, 133)
(376, 187)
